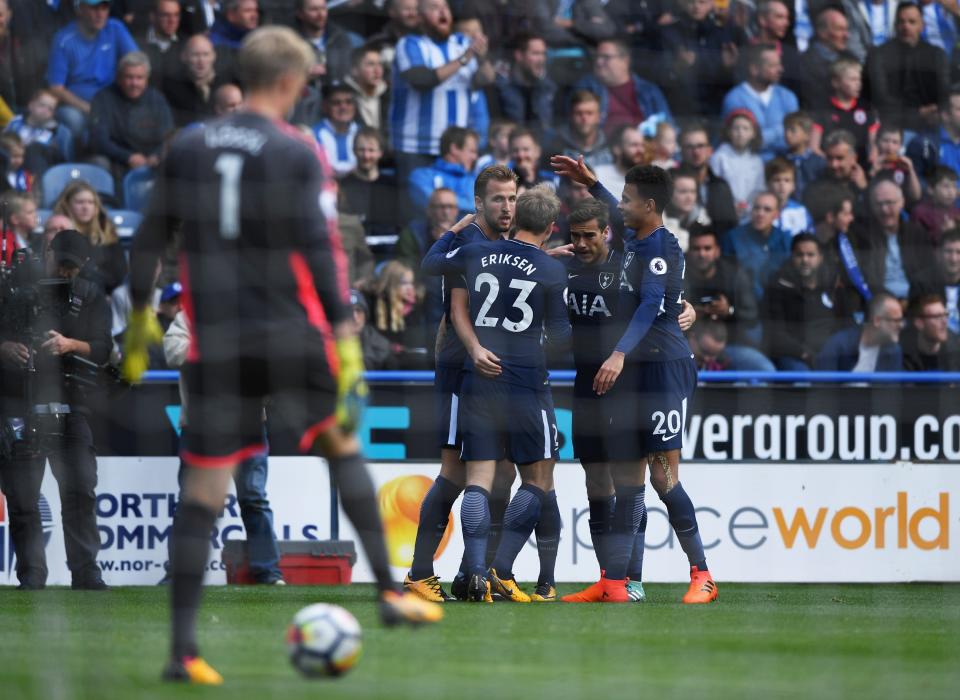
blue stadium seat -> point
(136, 188)
(126, 222)
(59, 176)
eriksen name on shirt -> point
(516, 261)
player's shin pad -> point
(143, 330)
(351, 387)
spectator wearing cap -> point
(83, 60)
(168, 306)
(129, 120)
(376, 348)
(626, 99)
(338, 129)
(763, 96)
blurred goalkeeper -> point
(265, 292)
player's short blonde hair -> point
(270, 52)
(537, 209)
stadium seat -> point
(57, 177)
(136, 188)
(126, 222)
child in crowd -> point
(37, 128)
(798, 133)
(20, 212)
(781, 180)
(847, 111)
(498, 144)
(890, 162)
(684, 214)
(938, 212)
(664, 145)
(736, 160)
(15, 176)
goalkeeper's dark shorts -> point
(225, 401)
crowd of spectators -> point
(814, 144)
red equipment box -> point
(303, 563)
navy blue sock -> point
(475, 522)
(548, 538)
(521, 517)
(683, 519)
(498, 506)
(601, 517)
(626, 520)
(434, 517)
(635, 568)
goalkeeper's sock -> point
(360, 504)
(635, 568)
(548, 539)
(683, 519)
(475, 524)
(498, 506)
(600, 520)
(434, 517)
(521, 517)
(189, 551)
(626, 520)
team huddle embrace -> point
(613, 298)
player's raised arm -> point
(578, 171)
(484, 361)
(435, 262)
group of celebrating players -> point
(618, 300)
(266, 297)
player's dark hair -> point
(588, 209)
(500, 173)
(537, 209)
(455, 136)
(918, 302)
(652, 183)
(805, 238)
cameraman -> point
(67, 319)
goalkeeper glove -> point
(143, 330)
(351, 387)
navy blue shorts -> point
(446, 384)
(500, 420)
(650, 408)
(591, 418)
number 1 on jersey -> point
(230, 167)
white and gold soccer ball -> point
(324, 641)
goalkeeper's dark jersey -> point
(254, 203)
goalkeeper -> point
(264, 288)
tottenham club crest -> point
(658, 266)
(606, 279)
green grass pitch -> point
(758, 641)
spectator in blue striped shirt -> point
(433, 75)
(337, 130)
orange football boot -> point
(613, 590)
(702, 587)
(591, 594)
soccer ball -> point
(324, 640)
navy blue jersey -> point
(593, 291)
(451, 351)
(651, 299)
(517, 292)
